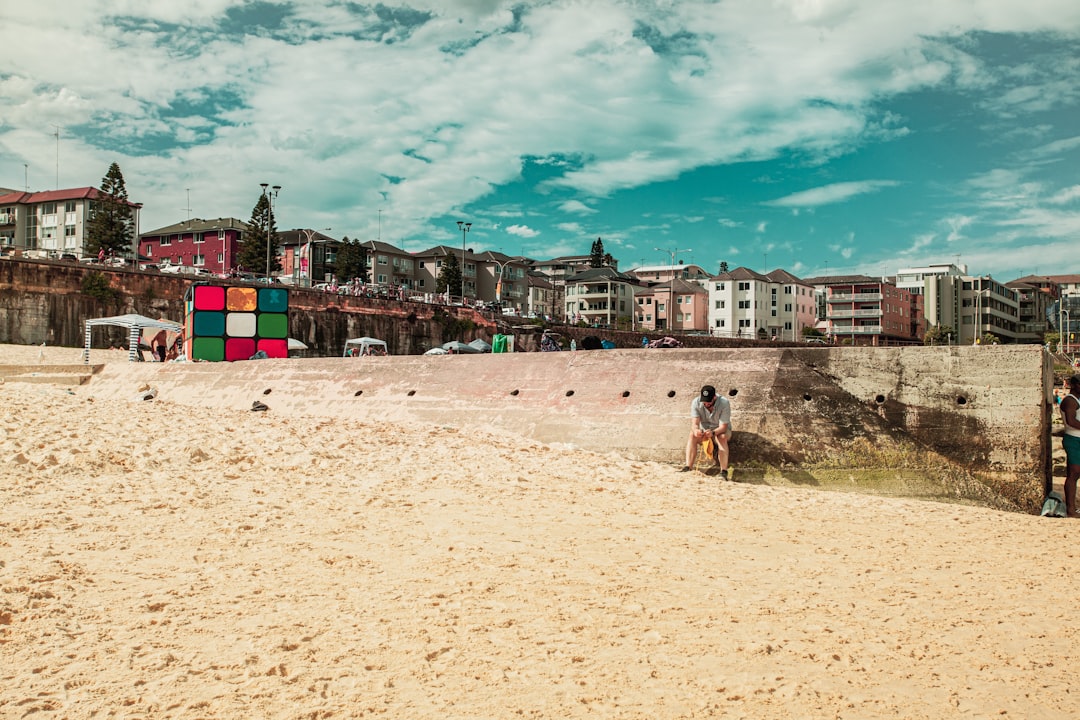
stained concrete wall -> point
(854, 408)
(43, 302)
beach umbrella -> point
(480, 345)
(295, 344)
(435, 351)
(459, 348)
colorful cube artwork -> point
(228, 324)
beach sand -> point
(160, 561)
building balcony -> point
(856, 329)
(855, 313)
(855, 297)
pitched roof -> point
(31, 198)
(198, 225)
(742, 273)
(601, 273)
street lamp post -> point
(671, 287)
(269, 195)
(310, 253)
(464, 227)
(1064, 330)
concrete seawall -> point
(976, 417)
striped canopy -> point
(135, 325)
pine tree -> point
(723, 267)
(596, 255)
(351, 261)
(253, 245)
(449, 276)
(112, 225)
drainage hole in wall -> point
(514, 392)
(880, 399)
(358, 393)
(961, 400)
(411, 393)
(671, 393)
(626, 393)
(732, 392)
(806, 397)
(569, 393)
(266, 391)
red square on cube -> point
(239, 349)
(274, 348)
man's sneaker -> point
(723, 474)
(685, 468)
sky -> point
(823, 137)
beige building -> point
(602, 297)
(52, 223)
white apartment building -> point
(744, 303)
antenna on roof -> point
(56, 132)
(188, 208)
(26, 177)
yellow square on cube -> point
(243, 299)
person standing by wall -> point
(1070, 415)
(710, 417)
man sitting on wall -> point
(710, 418)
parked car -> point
(68, 257)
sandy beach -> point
(164, 561)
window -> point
(382, 261)
(421, 267)
(220, 258)
(48, 208)
(720, 304)
(787, 289)
(166, 241)
(719, 286)
(381, 279)
(744, 304)
(744, 323)
(199, 260)
(659, 307)
(720, 323)
(787, 307)
(69, 231)
(679, 300)
(422, 282)
(199, 238)
(744, 286)
(69, 206)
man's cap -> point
(708, 393)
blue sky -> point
(820, 136)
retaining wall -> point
(981, 412)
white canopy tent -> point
(135, 325)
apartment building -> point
(503, 279)
(391, 266)
(544, 299)
(307, 257)
(49, 224)
(664, 273)
(212, 245)
(602, 297)
(745, 303)
(674, 305)
(1038, 300)
(861, 310)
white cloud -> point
(576, 206)
(829, 194)
(521, 231)
(1065, 196)
(605, 95)
(956, 226)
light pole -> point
(499, 282)
(309, 253)
(269, 195)
(1064, 326)
(671, 293)
(978, 319)
(464, 228)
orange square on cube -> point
(243, 299)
